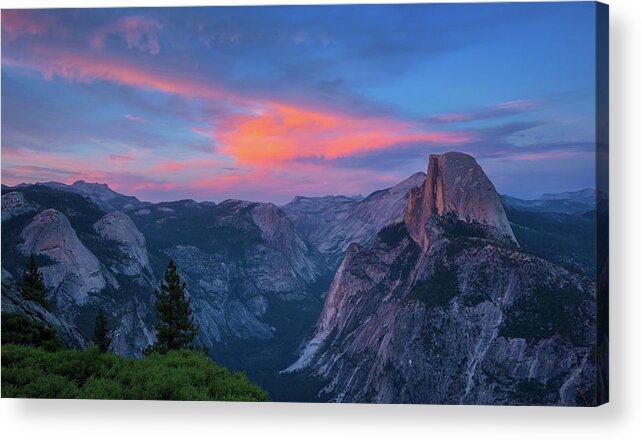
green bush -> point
(18, 328)
(72, 374)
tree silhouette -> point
(33, 284)
(101, 332)
(175, 328)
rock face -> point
(105, 197)
(456, 185)
(278, 230)
(99, 193)
(75, 272)
(433, 301)
(14, 204)
(14, 302)
(254, 280)
(118, 227)
(332, 223)
(444, 308)
(244, 256)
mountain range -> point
(436, 290)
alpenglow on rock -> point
(456, 185)
(332, 223)
(451, 311)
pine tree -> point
(175, 328)
(33, 284)
(101, 332)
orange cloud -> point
(281, 132)
(266, 132)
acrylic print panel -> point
(358, 203)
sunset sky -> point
(264, 103)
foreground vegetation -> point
(36, 365)
(71, 374)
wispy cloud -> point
(136, 119)
(17, 23)
(139, 32)
(261, 103)
(260, 131)
(490, 112)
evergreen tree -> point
(101, 332)
(175, 328)
(33, 285)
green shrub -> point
(17, 328)
(178, 375)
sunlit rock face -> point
(332, 223)
(443, 307)
(457, 185)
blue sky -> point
(264, 103)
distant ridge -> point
(569, 202)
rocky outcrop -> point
(278, 230)
(444, 308)
(14, 302)
(134, 259)
(14, 204)
(456, 185)
(74, 273)
(334, 222)
(105, 197)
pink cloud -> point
(551, 155)
(139, 32)
(136, 119)
(121, 158)
(201, 131)
(194, 164)
(261, 131)
(73, 66)
(17, 23)
(283, 132)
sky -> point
(265, 103)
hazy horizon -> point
(125, 193)
(264, 103)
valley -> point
(436, 290)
